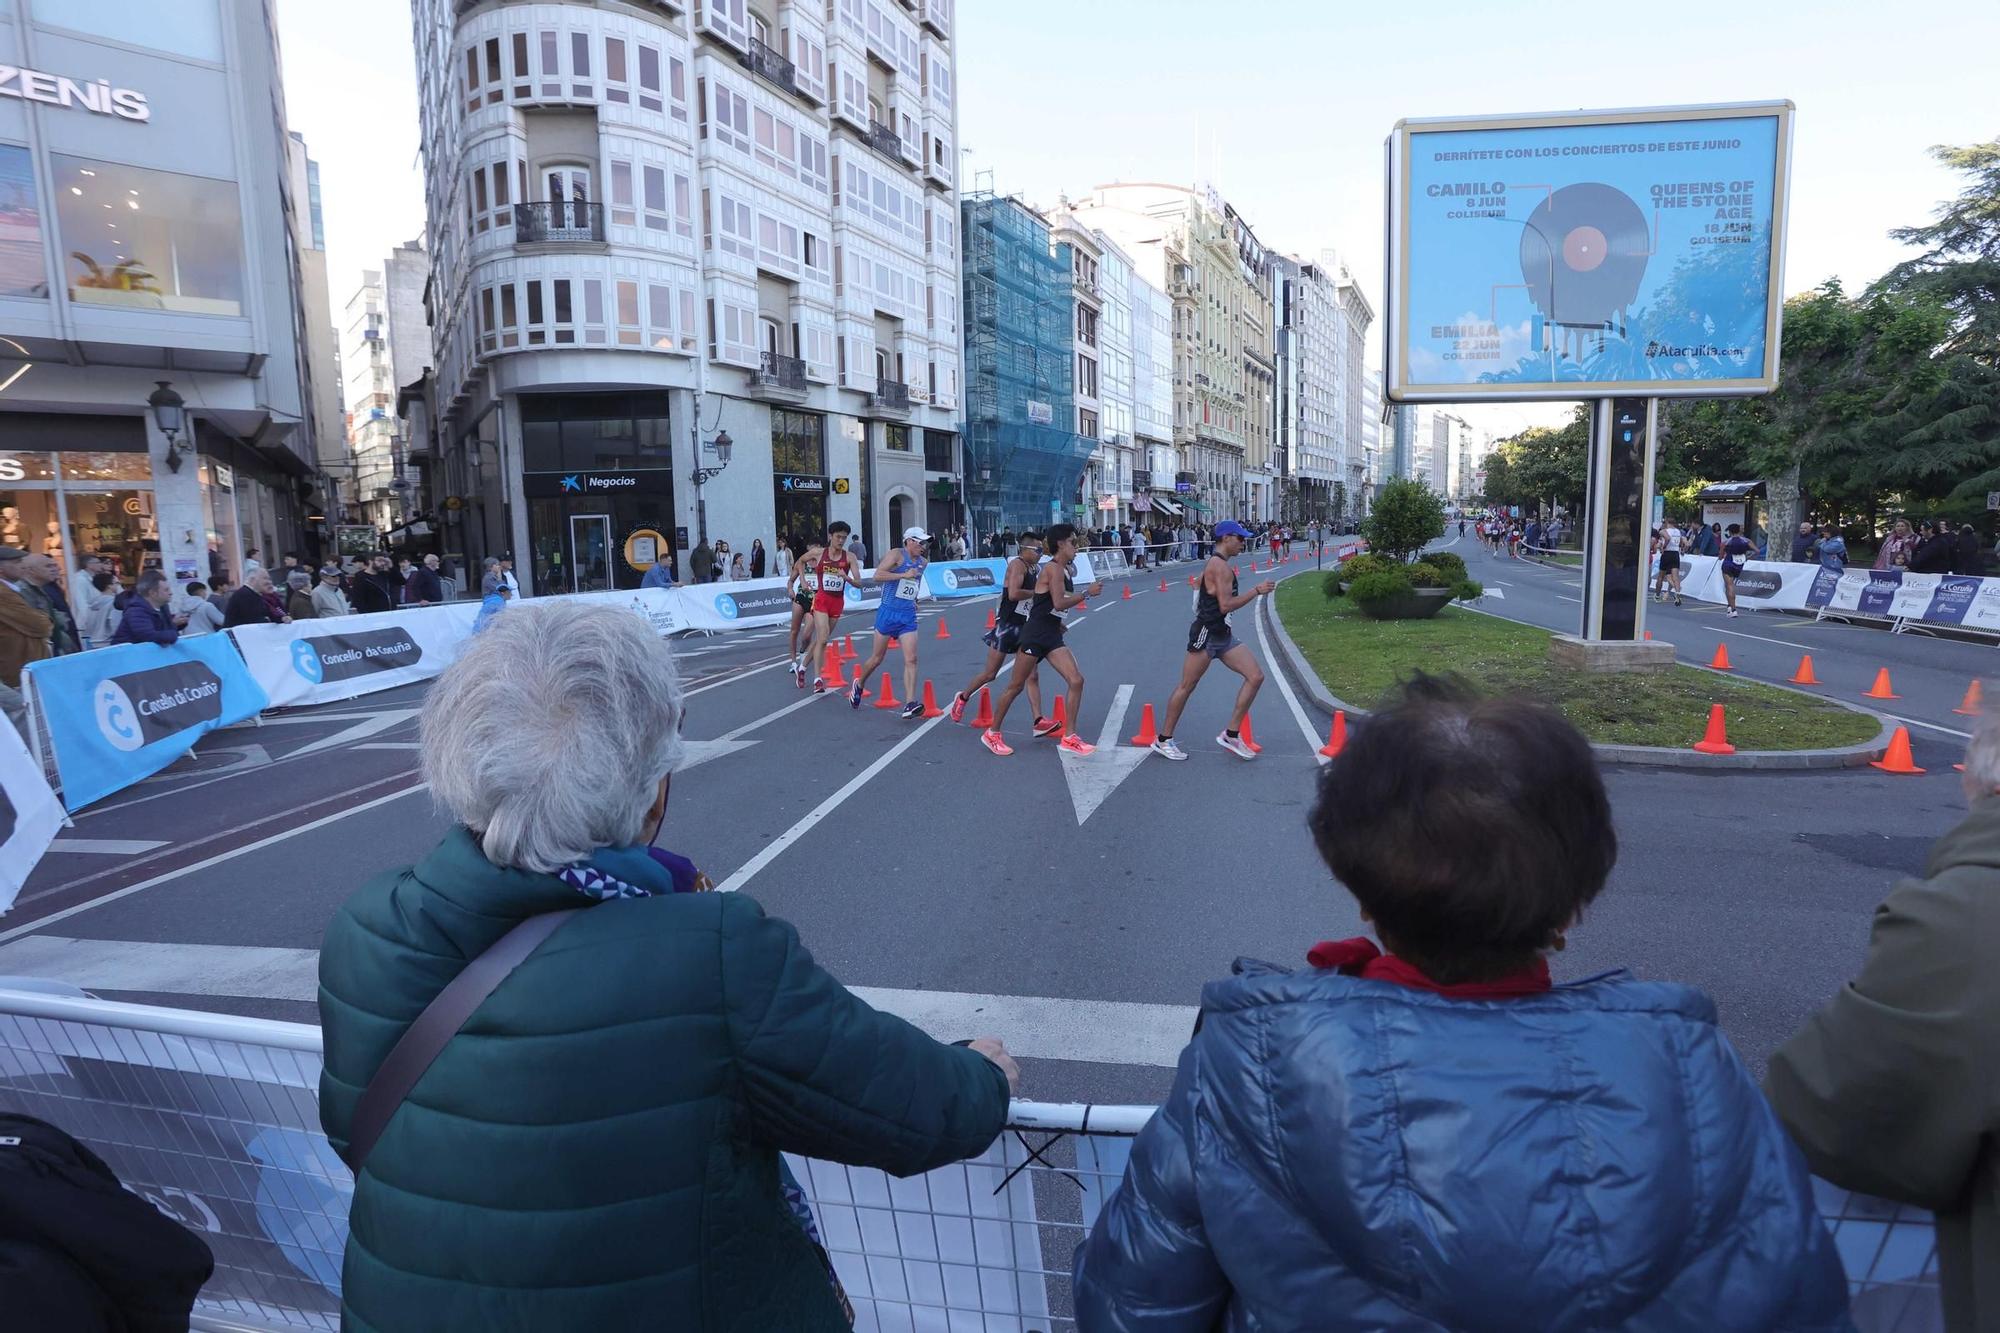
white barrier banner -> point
(720, 606)
(319, 661)
(30, 815)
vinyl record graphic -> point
(1583, 256)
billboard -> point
(1587, 255)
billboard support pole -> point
(1618, 503)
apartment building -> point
(696, 274)
(1371, 442)
(1255, 315)
(1078, 250)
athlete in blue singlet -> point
(899, 576)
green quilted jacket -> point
(598, 1147)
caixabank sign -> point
(119, 715)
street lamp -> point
(722, 445)
(170, 416)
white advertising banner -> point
(319, 661)
(30, 815)
(1888, 594)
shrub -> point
(1331, 584)
(1423, 574)
(1468, 590)
(1407, 517)
(1356, 565)
(1450, 564)
(1379, 586)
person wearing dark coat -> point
(423, 586)
(373, 590)
(1431, 1133)
(1968, 552)
(146, 619)
(598, 1148)
(1933, 552)
(249, 605)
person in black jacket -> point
(373, 590)
(423, 587)
(247, 606)
(146, 619)
(1969, 556)
(1934, 551)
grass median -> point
(1361, 659)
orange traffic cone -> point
(1163, 585)
(848, 647)
(1250, 736)
(983, 719)
(1193, 579)
(930, 702)
(1881, 688)
(942, 633)
(831, 672)
(1128, 593)
(1975, 699)
(1336, 739)
(1649, 636)
(1717, 739)
(1062, 723)
(1898, 759)
(1804, 675)
(992, 619)
(1721, 662)
(887, 699)
(1148, 731)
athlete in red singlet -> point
(827, 572)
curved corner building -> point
(656, 223)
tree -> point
(1407, 517)
(1960, 268)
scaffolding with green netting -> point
(1024, 458)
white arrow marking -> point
(1092, 778)
(696, 753)
(1495, 592)
(372, 725)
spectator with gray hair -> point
(146, 619)
(1890, 1088)
(597, 1146)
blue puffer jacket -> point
(1339, 1153)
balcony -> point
(936, 15)
(883, 139)
(559, 223)
(889, 396)
(781, 377)
(770, 65)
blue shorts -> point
(892, 624)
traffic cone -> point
(1062, 723)
(942, 633)
(865, 691)
(992, 618)
(1881, 689)
(887, 699)
(1163, 585)
(1974, 701)
(1336, 739)
(1804, 675)
(1717, 739)
(930, 702)
(1193, 579)
(849, 648)
(1898, 759)
(1128, 593)
(983, 719)
(831, 672)
(1721, 662)
(1148, 732)
(1649, 636)
(1250, 736)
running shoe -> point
(819, 685)
(1046, 727)
(1677, 599)
(854, 695)
(1167, 749)
(1732, 613)
(1076, 744)
(958, 703)
(995, 742)
(912, 709)
(1236, 746)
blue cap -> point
(1229, 527)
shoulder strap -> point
(424, 1040)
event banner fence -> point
(30, 815)
(1963, 600)
(120, 714)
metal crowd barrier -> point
(214, 1119)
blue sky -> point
(1284, 103)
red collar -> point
(1360, 957)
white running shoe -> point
(1167, 749)
(1732, 613)
(1236, 746)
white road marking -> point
(1932, 726)
(1036, 1027)
(216, 860)
(1567, 598)
(103, 846)
(389, 745)
(773, 849)
(373, 725)
(1495, 592)
(1782, 643)
(1276, 673)
(744, 674)
(1092, 778)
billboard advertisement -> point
(1587, 255)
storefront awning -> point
(1196, 506)
(1730, 490)
(1166, 506)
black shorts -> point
(802, 600)
(1669, 560)
(1004, 638)
(1041, 645)
(1215, 640)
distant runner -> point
(830, 567)
(1210, 638)
(1735, 547)
(899, 576)
(1042, 640)
(1017, 589)
(1671, 542)
(803, 584)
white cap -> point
(915, 534)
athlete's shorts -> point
(1214, 642)
(803, 600)
(1039, 648)
(833, 604)
(1004, 639)
(1669, 560)
(893, 627)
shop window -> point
(149, 240)
(88, 467)
(798, 442)
(21, 270)
(896, 437)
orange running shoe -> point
(995, 742)
(1076, 744)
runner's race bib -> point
(906, 590)
(831, 582)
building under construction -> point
(1024, 458)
